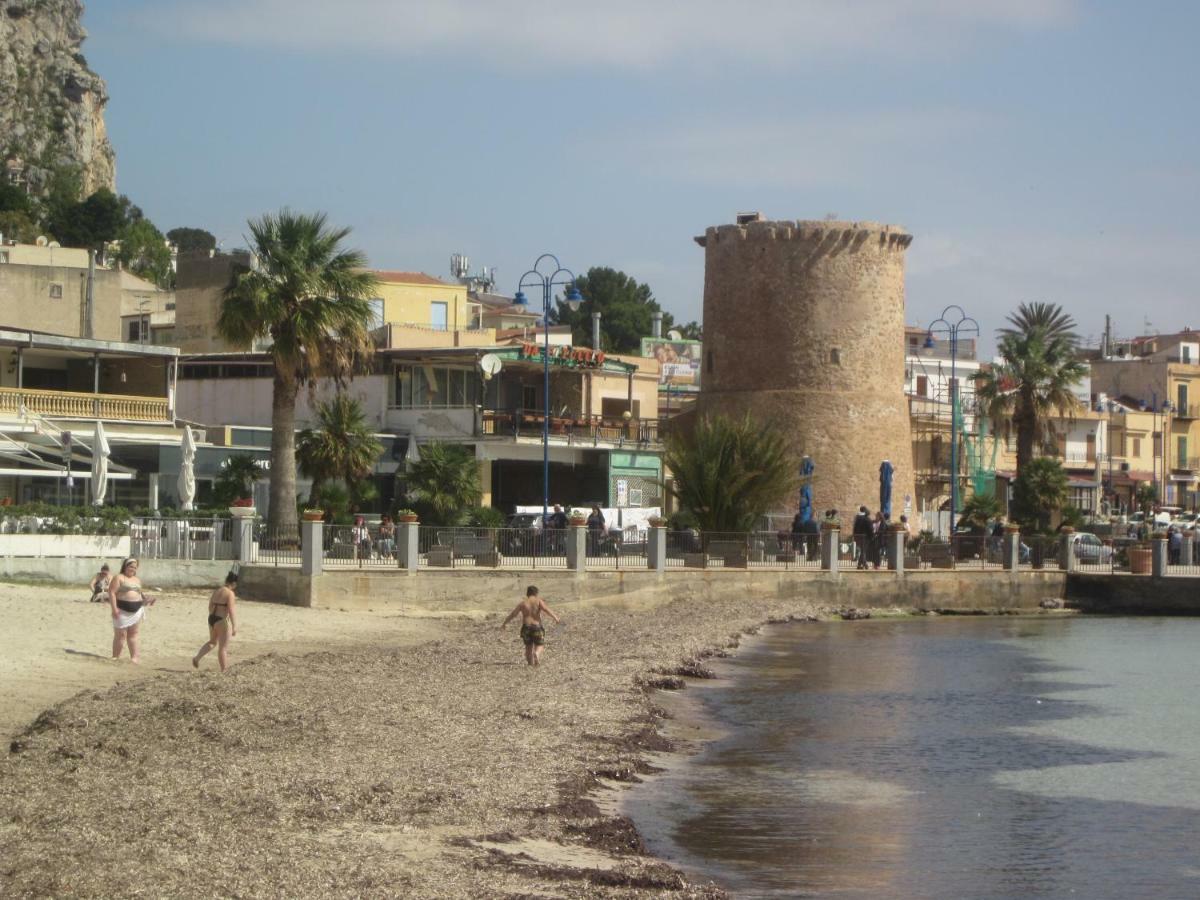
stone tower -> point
(804, 329)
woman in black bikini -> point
(221, 623)
(128, 604)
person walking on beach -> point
(533, 633)
(221, 622)
(128, 604)
(100, 584)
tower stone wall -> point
(804, 329)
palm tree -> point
(1041, 488)
(342, 447)
(728, 473)
(981, 509)
(309, 296)
(444, 483)
(1050, 318)
(1032, 382)
(236, 479)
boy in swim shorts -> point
(533, 633)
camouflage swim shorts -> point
(533, 634)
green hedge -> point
(112, 520)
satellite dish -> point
(674, 335)
(490, 364)
(42, 240)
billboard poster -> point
(680, 361)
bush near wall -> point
(113, 520)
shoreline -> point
(440, 769)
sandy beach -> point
(391, 765)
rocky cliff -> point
(51, 103)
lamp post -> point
(547, 273)
(953, 322)
(1160, 485)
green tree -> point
(189, 240)
(144, 252)
(691, 331)
(1032, 382)
(14, 199)
(1146, 495)
(18, 226)
(728, 472)
(308, 296)
(444, 484)
(236, 479)
(626, 309)
(94, 222)
(341, 447)
(1050, 318)
(1040, 490)
(981, 509)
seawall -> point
(1134, 595)
(475, 591)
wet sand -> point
(442, 769)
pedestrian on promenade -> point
(221, 622)
(128, 604)
(862, 536)
(533, 632)
(100, 584)
(387, 537)
(558, 518)
(597, 529)
(360, 534)
(878, 536)
(1174, 545)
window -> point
(1181, 448)
(835, 357)
(1181, 398)
(434, 386)
(135, 331)
(438, 315)
(922, 385)
(1136, 447)
(56, 292)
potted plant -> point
(1012, 528)
(657, 522)
(831, 524)
(242, 508)
(1141, 559)
(406, 516)
(312, 515)
(577, 519)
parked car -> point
(1089, 548)
(523, 536)
(1186, 520)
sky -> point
(1036, 149)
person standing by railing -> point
(387, 537)
(360, 534)
(597, 529)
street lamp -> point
(1160, 485)
(953, 322)
(1111, 406)
(547, 273)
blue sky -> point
(1037, 150)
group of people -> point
(382, 543)
(870, 537)
(128, 602)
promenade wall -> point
(1134, 595)
(473, 592)
(157, 573)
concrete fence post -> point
(1011, 551)
(831, 539)
(408, 546)
(1187, 549)
(312, 548)
(1159, 559)
(243, 539)
(895, 547)
(1066, 552)
(656, 548)
(577, 536)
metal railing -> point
(156, 538)
(523, 548)
(571, 427)
(73, 405)
(278, 546)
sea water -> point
(993, 757)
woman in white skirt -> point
(128, 604)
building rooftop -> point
(394, 277)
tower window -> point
(835, 357)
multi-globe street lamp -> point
(542, 275)
(952, 323)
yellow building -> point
(417, 300)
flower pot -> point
(313, 515)
(1141, 560)
(408, 520)
(243, 512)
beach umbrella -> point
(885, 487)
(412, 454)
(187, 471)
(100, 451)
(806, 505)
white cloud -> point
(621, 33)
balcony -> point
(571, 429)
(71, 405)
(1191, 464)
(1191, 411)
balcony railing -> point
(571, 429)
(1191, 411)
(71, 405)
(1191, 464)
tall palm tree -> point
(236, 479)
(341, 447)
(309, 296)
(1033, 380)
(444, 483)
(728, 472)
(1053, 321)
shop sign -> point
(565, 356)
